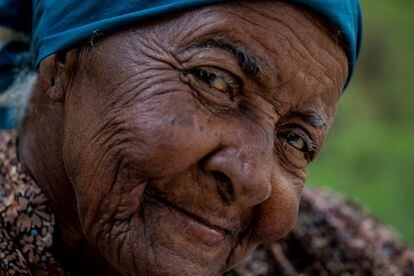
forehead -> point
(300, 62)
(302, 67)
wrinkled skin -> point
(169, 155)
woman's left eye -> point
(296, 141)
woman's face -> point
(187, 141)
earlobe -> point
(55, 73)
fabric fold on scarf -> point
(60, 25)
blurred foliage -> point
(369, 155)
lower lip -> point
(198, 230)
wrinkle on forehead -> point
(297, 25)
(301, 64)
(269, 28)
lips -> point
(207, 234)
(195, 226)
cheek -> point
(159, 132)
(116, 153)
(173, 133)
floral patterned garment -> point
(26, 219)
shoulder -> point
(8, 160)
(7, 149)
(333, 236)
(26, 218)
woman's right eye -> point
(218, 80)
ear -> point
(56, 72)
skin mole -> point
(153, 172)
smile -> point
(196, 227)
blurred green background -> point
(369, 155)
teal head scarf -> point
(58, 25)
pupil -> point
(293, 138)
(207, 77)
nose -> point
(242, 174)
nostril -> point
(225, 187)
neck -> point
(40, 153)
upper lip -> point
(218, 224)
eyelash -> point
(310, 145)
(207, 74)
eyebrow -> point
(316, 120)
(245, 61)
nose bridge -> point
(247, 167)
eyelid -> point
(232, 80)
(310, 143)
(213, 99)
(209, 57)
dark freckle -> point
(172, 122)
(185, 120)
(201, 128)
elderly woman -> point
(168, 137)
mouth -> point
(193, 225)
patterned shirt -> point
(26, 218)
